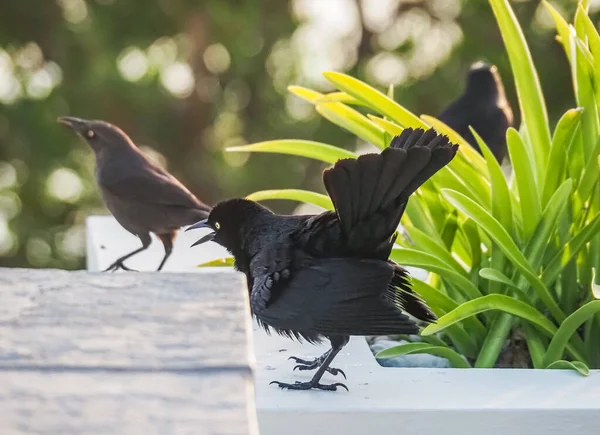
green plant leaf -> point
(343, 116)
(219, 262)
(585, 95)
(435, 298)
(578, 366)
(501, 201)
(354, 122)
(390, 127)
(374, 99)
(496, 275)
(590, 175)
(535, 345)
(339, 97)
(569, 251)
(567, 328)
(531, 99)
(305, 93)
(304, 148)
(435, 247)
(469, 229)
(417, 211)
(492, 302)
(465, 149)
(562, 27)
(593, 39)
(501, 237)
(455, 359)
(534, 251)
(495, 340)
(531, 209)
(412, 257)
(307, 196)
(445, 304)
(563, 138)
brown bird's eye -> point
(217, 226)
(90, 134)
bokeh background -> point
(187, 78)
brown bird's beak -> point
(75, 123)
(203, 224)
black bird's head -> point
(483, 79)
(99, 135)
(229, 223)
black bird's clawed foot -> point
(315, 364)
(309, 386)
(331, 370)
(304, 362)
(118, 265)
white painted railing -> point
(124, 354)
(383, 400)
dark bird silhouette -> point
(328, 276)
(483, 106)
(143, 197)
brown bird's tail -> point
(370, 193)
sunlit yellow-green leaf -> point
(529, 90)
(562, 27)
(390, 127)
(353, 121)
(304, 148)
(564, 135)
(374, 99)
(317, 199)
(339, 97)
(501, 203)
(465, 148)
(219, 262)
(305, 93)
(531, 209)
(344, 116)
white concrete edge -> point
(382, 397)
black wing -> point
(337, 296)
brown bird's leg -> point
(316, 363)
(118, 264)
(167, 241)
(337, 343)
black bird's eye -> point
(217, 226)
(90, 134)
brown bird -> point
(143, 197)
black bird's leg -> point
(316, 363)
(167, 240)
(337, 343)
(118, 264)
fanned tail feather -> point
(370, 193)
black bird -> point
(328, 276)
(143, 197)
(483, 106)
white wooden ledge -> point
(145, 353)
(390, 400)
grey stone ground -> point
(135, 353)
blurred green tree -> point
(187, 78)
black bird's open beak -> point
(75, 123)
(202, 224)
